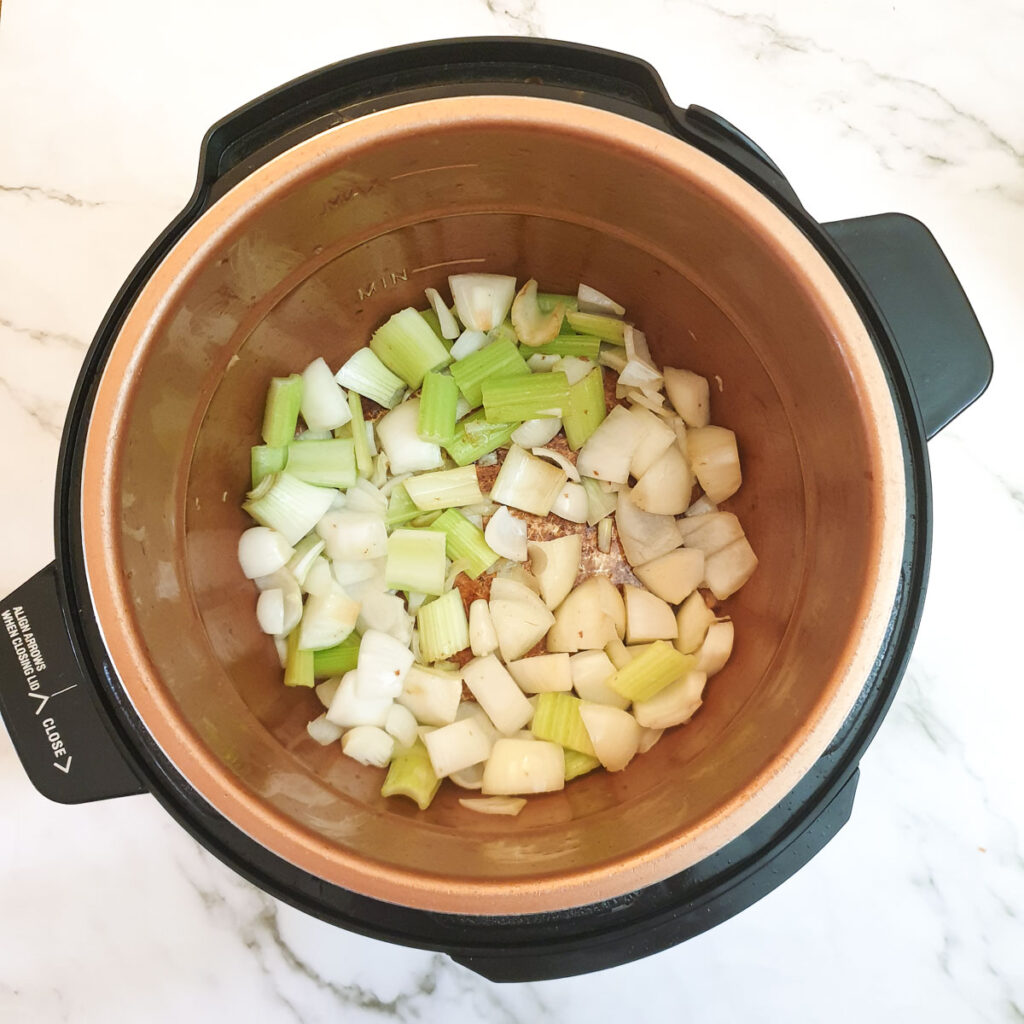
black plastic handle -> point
(948, 361)
(47, 702)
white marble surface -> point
(110, 913)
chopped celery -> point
(584, 345)
(401, 508)
(474, 437)
(577, 764)
(548, 300)
(465, 542)
(265, 460)
(298, 665)
(407, 346)
(281, 414)
(524, 398)
(288, 505)
(337, 660)
(557, 718)
(416, 561)
(365, 374)
(445, 488)
(498, 359)
(364, 460)
(607, 328)
(412, 775)
(443, 627)
(503, 332)
(585, 409)
(327, 463)
(434, 323)
(438, 400)
(650, 672)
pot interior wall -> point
(312, 271)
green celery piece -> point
(364, 460)
(401, 508)
(498, 359)
(435, 325)
(411, 775)
(443, 627)
(585, 409)
(474, 437)
(408, 347)
(577, 764)
(416, 561)
(298, 665)
(337, 660)
(265, 460)
(607, 328)
(281, 414)
(325, 463)
(438, 400)
(516, 398)
(504, 332)
(584, 345)
(557, 718)
(364, 373)
(650, 672)
(548, 300)
(465, 542)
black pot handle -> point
(47, 702)
(248, 137)
(948, 361)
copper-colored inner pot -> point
(310, 254)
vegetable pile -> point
(397, 587)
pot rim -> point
(300, 846)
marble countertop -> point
(110, 912)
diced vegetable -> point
(716, 649)
(676, 704)
(474, 438)
(482, 301)
(672, 576)
(431, 694)
(533, 433)
(590, 300)
(650, 672)
(326, 463)
(265, 461)
(323, 731)
(585, 409)
(438, 402)
(366, 375)
(527, 483)
(506, 535)
(665, 486)
(581, 345)
(281, 413)
(262, 551)
(647, 617)
(298, 666)
(412, 775)
(353, 536)
(607, 328)
(337, 660)
(457, 746)
(571, 503)
(483, 640)
(416, 561)
(689, 395)
(544, 673)
(446, 323)
(408, 347)
(608, 452)
(525, 398)
(368, 745)
(644, 536)
(557, 718)
(520, 618)
(590, 671)
(327, 618)
(465, 543)
(498, 359)
(288, 505)
(324, 404)
(518, 766)
(510, 805)
(532, 325)
(497, 693)
(729, 568)
(445, 488)
(399, 436)
(614, 733)
(555, 563)
(443, 627)
(715, 461)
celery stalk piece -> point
(412, 775)
(364, 460)
(298, 665)
(504, 331)
(438, 400)
(607, 328)
(577, 764)
(498, 359)
(408, 347)
(465, 542)
(548, 300)
(326, 463)
(585, 346)
(585, 410)
(474, 437)
(402, 509)
(524, 398)
(433, 321)
(557, 718)
(445, 488)
(365, 374)
(265, 460)
(443, 627)
(337, 660)
(416, 561)
(288, 505)
(281, 414)
(650, 672)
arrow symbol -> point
(42, 698)
(65, 768)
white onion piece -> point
(710, 532)
(526, 482)
(674, 705)
(613, 357)
(348, 709)
(326, 690)
(647, 617)
(363, 496)
(648, 737)
(555, 564)
(534, 433)
(383, 665)
(432, 695)
(385, 613)
(306, 552)
(468, 343)
(693, 619)
(284, 581)
(689, 395)
(614, 733)
(656, 436)
(715, 461)
(575, 368)
(590, 671)
(327, 619)
(666, 485)
(401, 724)
(506, 535)
(729, 568)
(469, 778)
(270, 611)
(482, 638)
(497, 693)
(701, 506)
(353, 536)
(318, 579)
(510, 805)
(324, 402)
(447, 323)
(545, 673)
(571, 503)
(517, 572)
(583, 621)
(398, 432)
(644, 535)
(608, 452)
(324, 731)
(368, 745)
(262, 551)
(281, 646)
(674, 576)
(482, 301)
(457, 746)
(590, 300)
(520, 618)
(716, 649)
(347, 573)
(549, 453)
(543, 362)
(524, 766)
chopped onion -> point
(729, 568)
(497, 693)
(349, 709)
(324, 731)
(604, 535)
(291, 594)
(648, 737)
(647, 617)
(327, 619)
(469, 778)
(449, 328)
(318, 578)
(571, 503)
(457, 746)
(270, 611)
(693, 619)
(326, 690)
(469, 342)
(306, 552)
(555, 564)
(557, 457)
(482, 301)
(526, 482)
(710, 532)
(506, 535)
(383, 665)
(614, 733)
(524, 766)
(715, 461)
(510, 805)
(674, 705)
(665, 486)
(368, 745)
(401, 724)
(353, 536)
(656, 436)
(520, 617)
(689, 395)
(639, 371)
(431, 695)
(608, 452)
(590, 671)
(575, 368)
(324, 403)
(544, 673)
(482, 638)
(674, 576)
(385, 613)
(262, 551)
(543, 362)
(644, 535)
(590, 300)
(399, 436)
(534, 433)
(716, 649)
